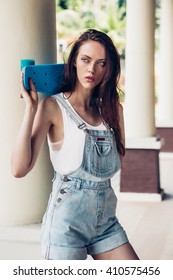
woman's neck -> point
(82, 99)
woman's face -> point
(90, 64)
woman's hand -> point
(31, 97)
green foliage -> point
(88, 19)
(74, 16)
(121, 3)
(63, 4)
(68, 4)
(68, 23)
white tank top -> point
(69, 157)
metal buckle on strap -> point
(81, 126)
(66, 179)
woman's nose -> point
(91, 68)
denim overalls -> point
(80, 217)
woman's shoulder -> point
(120, 109)
(49, 102)
(49, 106)
(121, 116)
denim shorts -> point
(80, 220)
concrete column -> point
(165, 98)
(139, 83)
(165, 89)
(140, 167)
(27, 30)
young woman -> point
(85, 130)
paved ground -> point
(149, 226)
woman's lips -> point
(89, 78)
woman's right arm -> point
(32, 133)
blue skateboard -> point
(47, 78)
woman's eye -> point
(85, 60)
(102, 63)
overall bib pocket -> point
(100, 155)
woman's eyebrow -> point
(85, 55)
(90, 57)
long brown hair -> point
(107, 90)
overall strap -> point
(79, 122)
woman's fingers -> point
(31, 96)
(33, 92)
(22, 88)
(31, 84)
